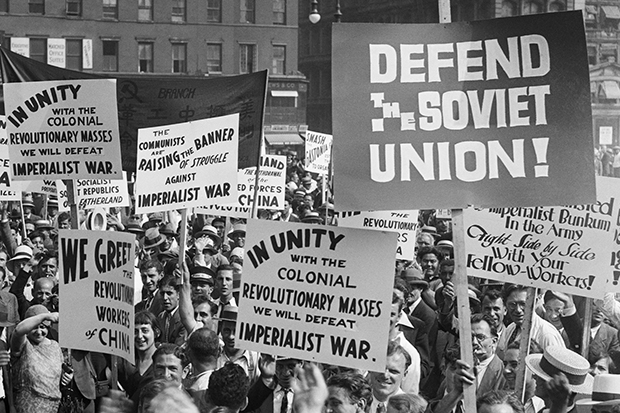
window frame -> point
(107, 67)
(36, 7)
(110, 9)
(219, 59)
(69, 43)
(39, 57)
(150, 62)
(247, 15)
(177, 17)
(277, 12)
(275, 63)
(69, 12)
(217, 10)
(244, 69)
(145, 7)
(183, 66)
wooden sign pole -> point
(524, 343)
(587, 325)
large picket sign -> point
(8, 191)
(404, 223)
(63, 129)
(317, 293)
(563, 248)
(96, 289)
(90, 193)
(187, 164)
(318, 150)
(486, 113)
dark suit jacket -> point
(418, 337)
(604, 342)
(157, 306)
(176, 333)
(493, 378)
(260, 398)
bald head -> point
(42, 290)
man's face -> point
(429, 264)
(445, 273)
(150, 278)
(597, 315)
(64, 224)
(3, 259)
(600, 366)
(285, 372)
(339, 401)
(225, 282)
(42, 292)
(386, 383)
(515, 303)
(202, 315)
(37, 242)
(394, 315)
(228, 334)
(48, 268)
(238, 239)
(511, 365)
(170, 297)
(554, 308)
(168, 367)
(201, 288)
(220, 227)
(424, 240)
(494, 309)
(482, 340)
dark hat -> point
(152, 238)
(15, 214)
(300, 192)
(156, 216)
(168, 255)
(312, 217)
(35, 234)
(414, 278)
(211, 232)
(306, 178)
(134, 228)
(27, 200)
(168, 229)
(204, 274)
(237, 229)
(52, 202)
(218, 219)
(43, 224)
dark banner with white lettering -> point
(147, 101)
(484, 113)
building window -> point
(278, 66)
(38, 50)
(179, 58)
(73, 7)
(36, 6)
(73, 54)
(145, 57)
(532, 7)
(247, 12)
(556, 6)
(214, 11)
(247, 58)
(214, 58)
(110, 9)
(592, 55)
(279, 11)
(4, 6)
(145, 10)
(110, 55)
(178, 11)
(509, 8)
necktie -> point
(381, 408)
(284, 405)
(514, 335)
(166, 325)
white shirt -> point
(375, 402)
(543, 333)
(278, 395)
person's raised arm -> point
(26, 326)
(186, 309)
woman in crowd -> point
(37, 363)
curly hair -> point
(228, 387)
(204, 345)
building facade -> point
(176, 37)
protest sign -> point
(405, 223)
(8, 191)
(45, 186)
(272, 180)
(63, 129)
(187, 164)
(318, 152)
(154, 101)
(225, 211)
(563, 248)
(96, 289)
(317, 293)
(469, 113)
(90, 193)
(63, 197)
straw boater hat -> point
(237, 229)
(43, 224)
(605, 391)
(558, 359)
(152, 238)
(312, 217)
(27, 200)
(229, 313)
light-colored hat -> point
(23, 252)
(211, 232)
(152, 238)
(558, 359)
(238, 252)
(605, 391)
(237, 229)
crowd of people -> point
(187, 358)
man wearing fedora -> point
(28, 207)
(560, 374)
(605, 394)
(237, 236)
(152, 242)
